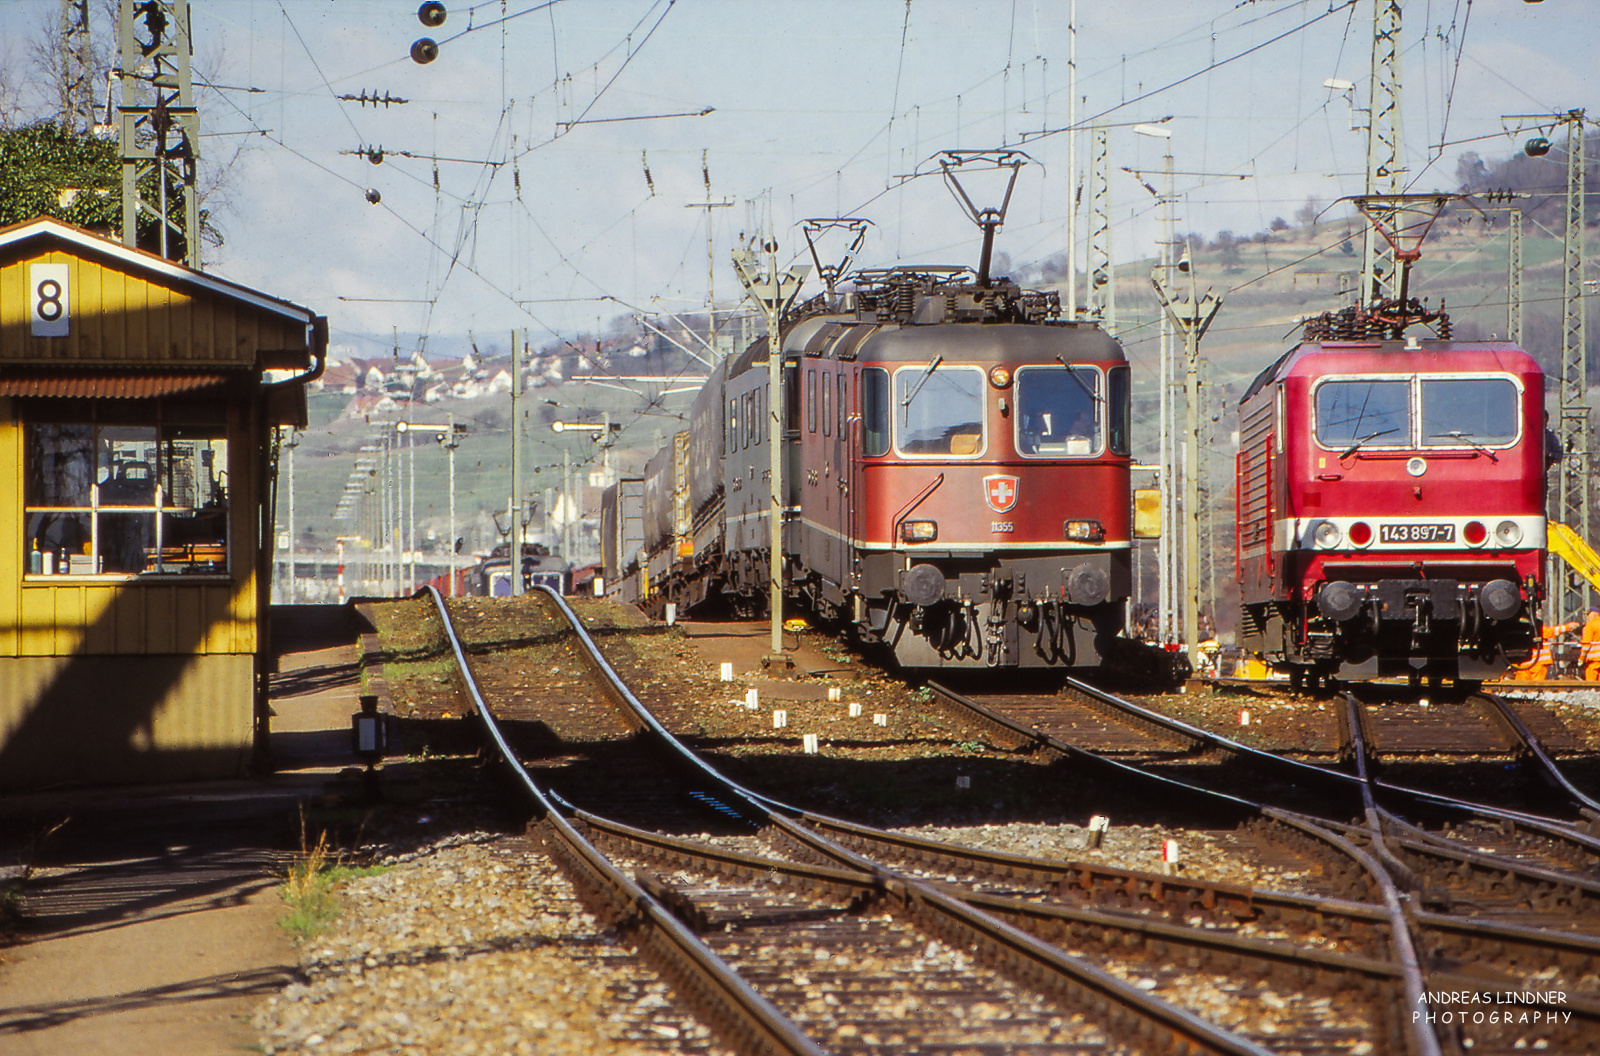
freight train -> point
(1391, 502)
(955, 478)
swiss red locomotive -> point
(956, 476)
(1391, 506)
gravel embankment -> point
(474, 945)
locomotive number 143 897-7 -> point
(1416, 533)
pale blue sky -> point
(820, 107)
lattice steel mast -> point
(1384, 140)
(160, 127)
(1573, 488)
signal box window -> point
(1364, 412)
(1056, 412)
(874, 411)
(125, 499)
(938, 410)
(1468, 411)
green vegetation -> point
(48, 171)
(309, 887)
(45, 170)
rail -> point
(1034, 961)
(722, 993)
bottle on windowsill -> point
(35, 560)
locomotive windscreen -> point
(1454, 411)
(939, 410)
(1057, 411)
(1361, 410)
(1468, 410)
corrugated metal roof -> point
(142, 385)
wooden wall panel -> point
(121, 317)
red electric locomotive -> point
(956, 471)
(960, 490)
(1390, 502)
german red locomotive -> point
(956, 475)
(1390, 505)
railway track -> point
(1479, 912)
(1077, 1004)
(793, 905)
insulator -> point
(424, 50)
(431, 14)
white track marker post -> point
(1098, 826)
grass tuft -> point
(310, 883)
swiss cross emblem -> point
(1001, 492)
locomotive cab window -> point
(126, 499)
(842, 402)
(938, 410)
(1409, 411)
(1058, 412)
(1119, 411)
(874, 411)
(1468, 411)
(1364, 412)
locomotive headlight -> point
(1084, 531)
(1474, 533)
(1360, 533)
(999, 377)
(1328, 535)
(1508, 533)
(919, 531)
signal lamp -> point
(999, 377)
(919, 531)
(431, 14)
(1474, 534)
(424, 50)
(1328, 535)
(1084, 531)
(1508, 533)
(1360, 533)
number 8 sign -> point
(47, 294)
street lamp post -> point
(449, 437)
(604, 435)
